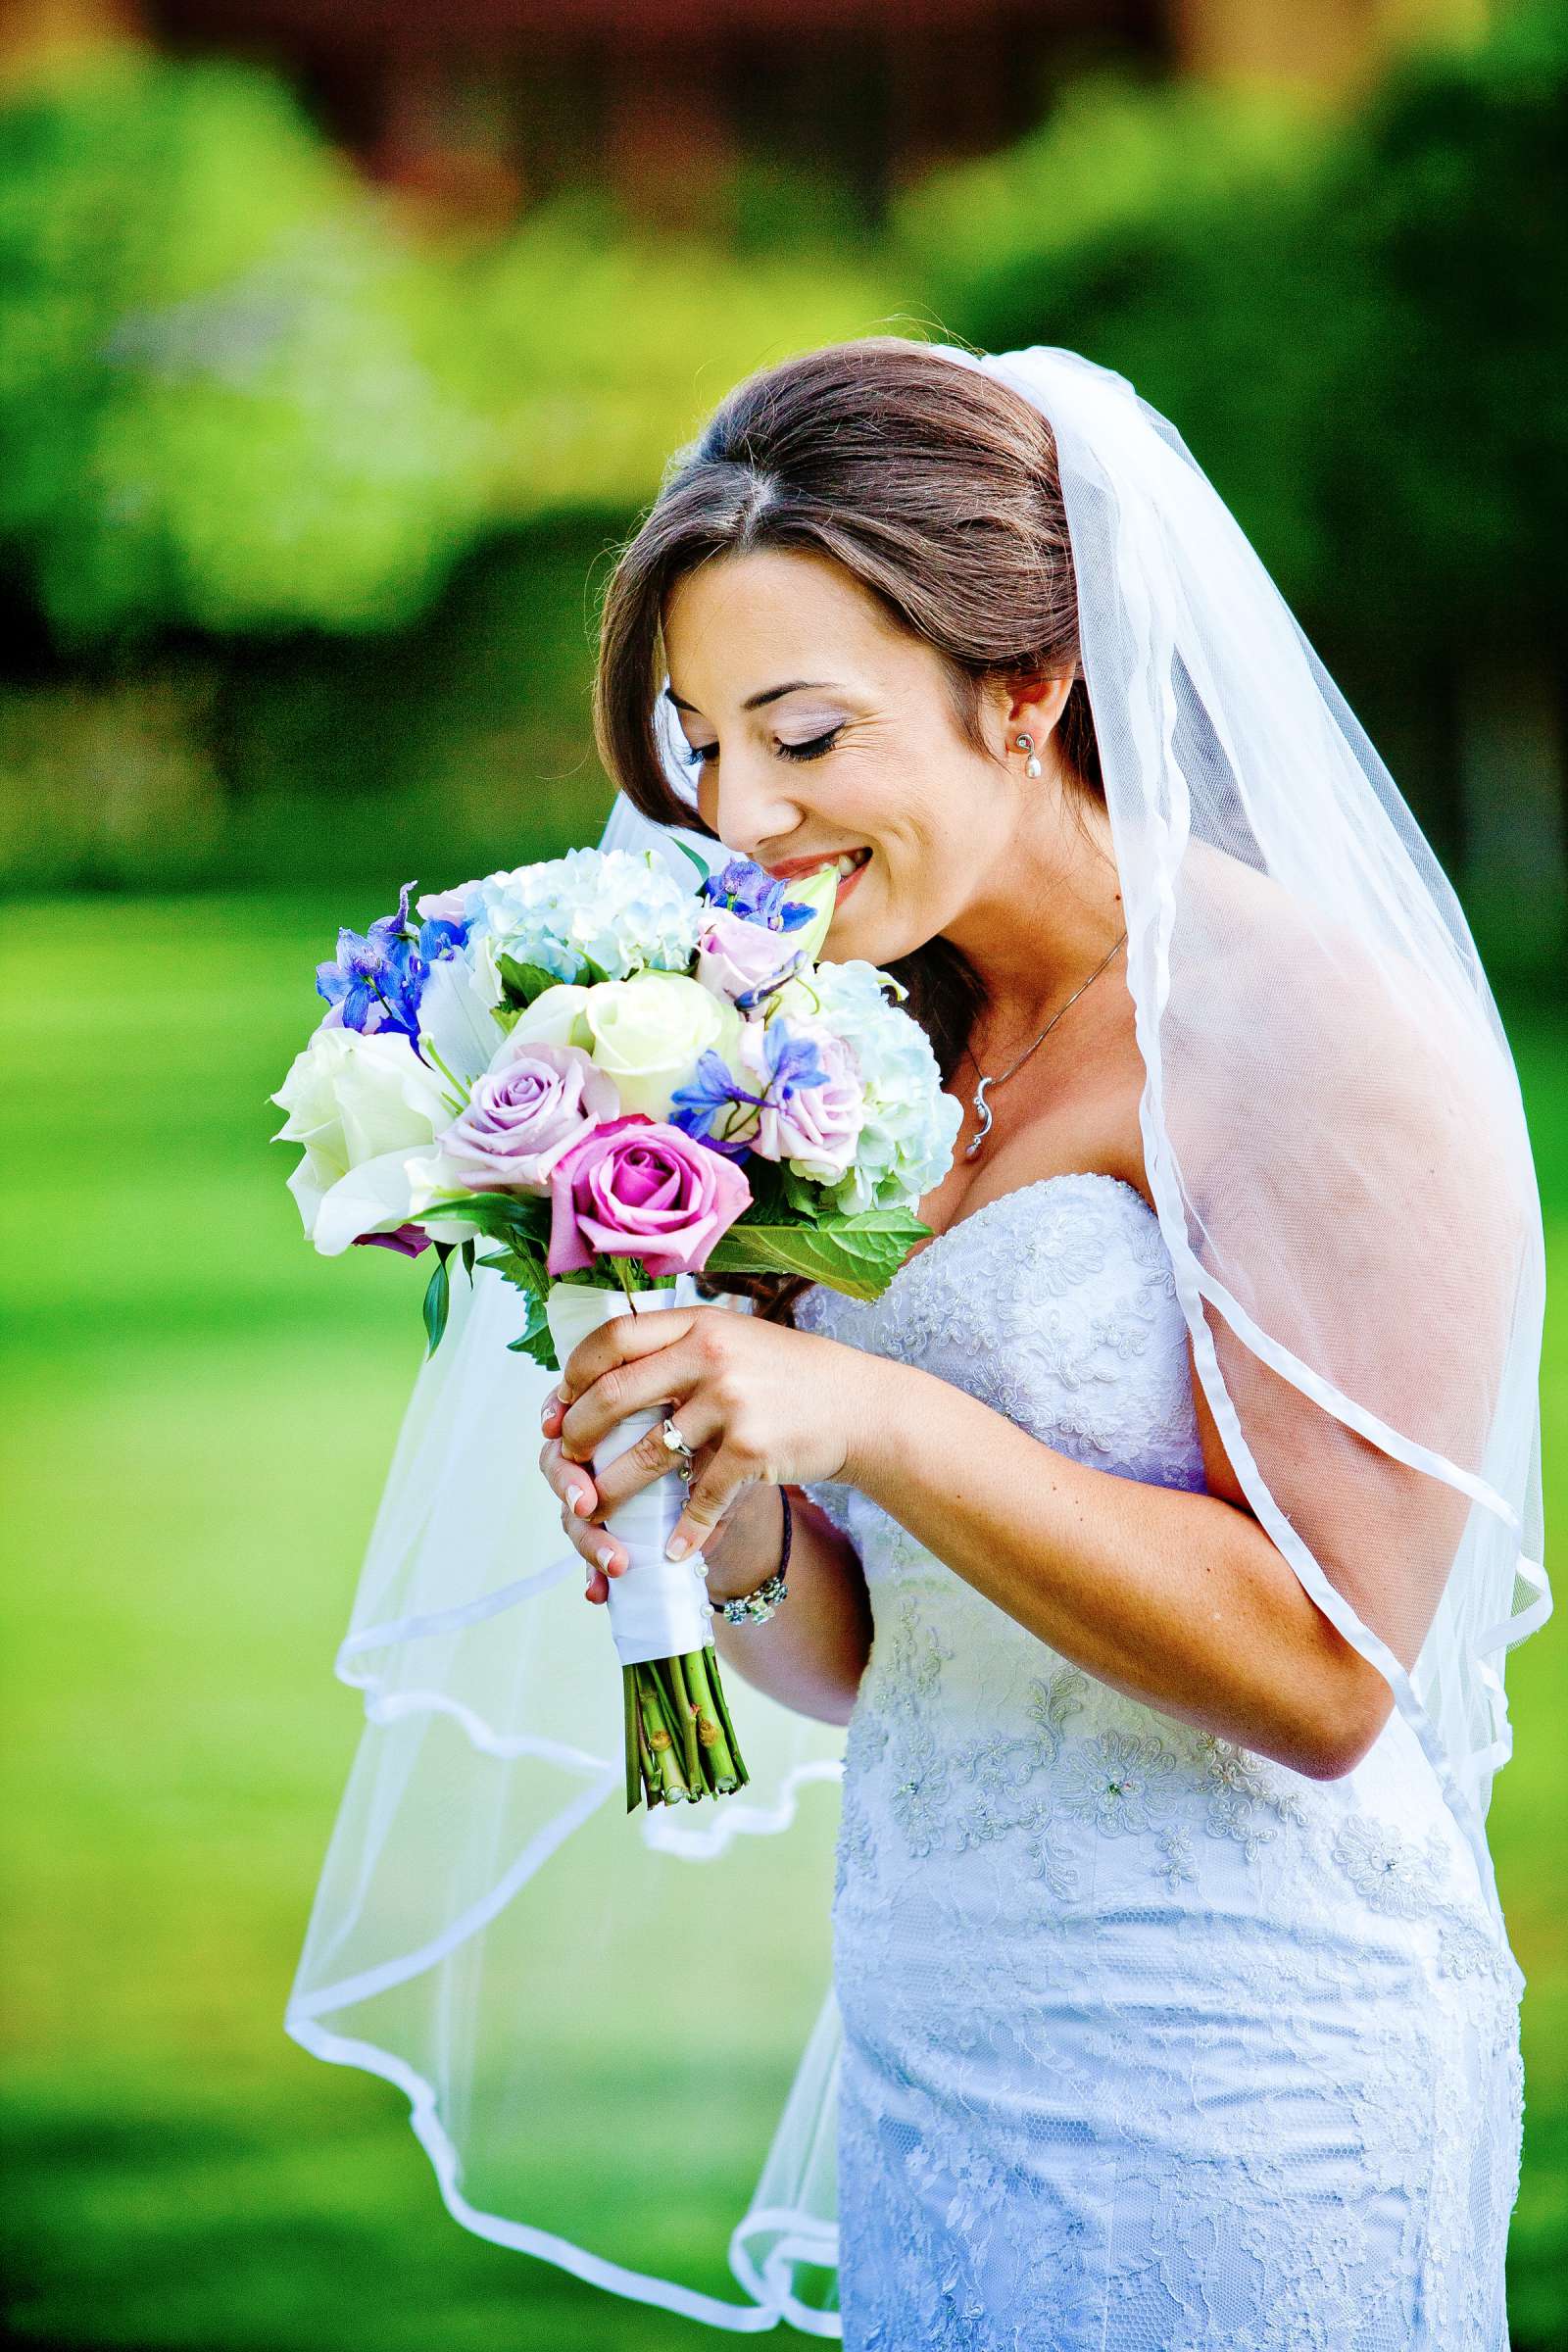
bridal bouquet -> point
(622, 1084)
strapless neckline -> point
(1020, 1192)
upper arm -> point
(1384, 1264)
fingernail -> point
(583, 1503)
(677, 1548)
(605, 1559)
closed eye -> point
(701, 754)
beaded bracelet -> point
(754, 1608)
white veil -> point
(584, 2012)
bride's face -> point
(820, 730)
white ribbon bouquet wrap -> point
(678, 1728)
(659, 1608)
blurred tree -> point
(217, 405)
(1363, 327)
(1362, 324)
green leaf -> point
(701, 863)
(437, 1297)
(525, 1270)
(858, 1255)
(467, 1258)
(523, 982)
(535, 1339)
(520, 1219)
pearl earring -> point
(1031, 766)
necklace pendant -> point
(984, 1128)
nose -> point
(748, 803)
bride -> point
(1156, 1945)
(1158, 1535)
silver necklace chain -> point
(981, 1104)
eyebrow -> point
(756, 701)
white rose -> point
(363, 1107)
(555, 1018)
(649, 1033)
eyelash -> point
(703, 755)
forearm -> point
(1175, 1598)
(811, 1653)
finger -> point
(624, 1389)
(569, 1480)
(602, 1556)
(712, 1492)
(621, 1341)
(650, 1457)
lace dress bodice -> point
(1149, 2041)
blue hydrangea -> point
(906, 1146)
(592, 914)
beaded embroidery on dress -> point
(1150, 2043)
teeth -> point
(851, 859)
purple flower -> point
(377, 978)
(718, 1108)
(816, 1123)
(748, 889)
(408, 1239)
(639, 1189)
(527, 1110)
(742, 959)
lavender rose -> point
(532, 1104)
(742, 959)
(638, 1189)
(816, 1125)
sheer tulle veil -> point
(598, 2020)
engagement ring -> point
(677, 1445)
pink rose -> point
(637, 1189)
(737, 958)
(816, 1127)
(530, 1106)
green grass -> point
(196, 1416)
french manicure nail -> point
(583, 1503)
(677, 1548)
(606, 1557)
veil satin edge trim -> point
(522, 2237)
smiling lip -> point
(795, 869)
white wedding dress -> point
(1150, 2044)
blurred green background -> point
(333, 365)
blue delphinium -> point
(750, 890)
(377, 978)
(714, 1093)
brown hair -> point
(938, 490)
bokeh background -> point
(340, 342)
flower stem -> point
(634, 1776)
(663, 1734)
(680, 1741)
(723, 1769)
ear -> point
(1030, 707)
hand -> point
(757, 1402)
